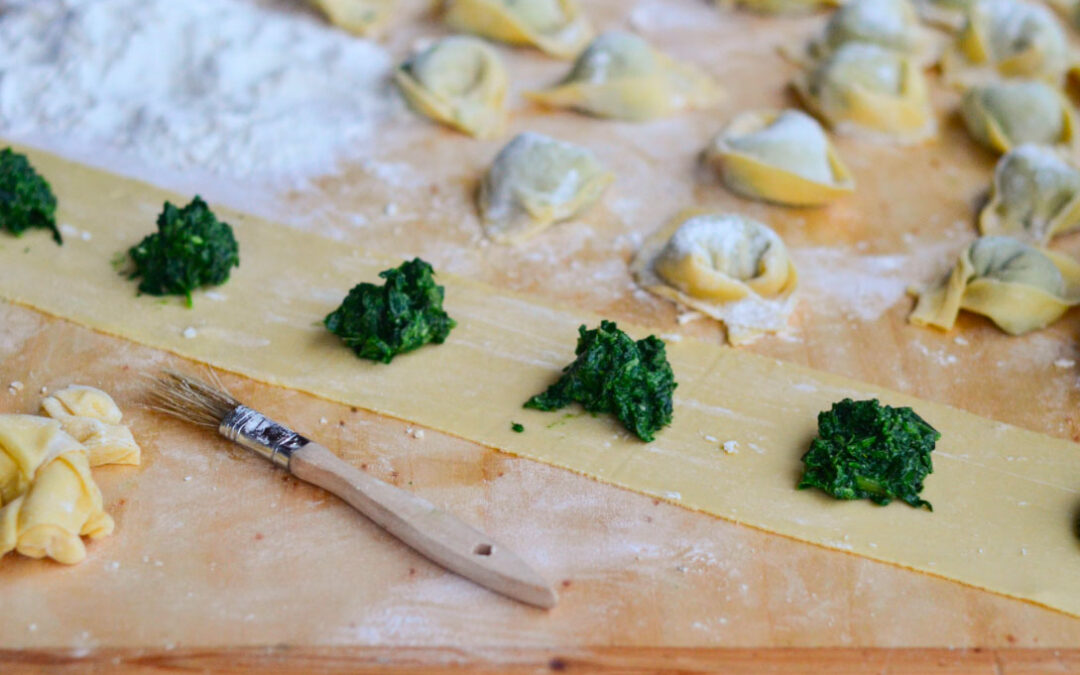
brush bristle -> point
(191, 399)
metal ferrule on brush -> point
(257, 432)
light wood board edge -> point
(731, 661)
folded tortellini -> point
(459, 81)
(780, 6)
(557, 27)
(619, 75)
(780, 157)
(948, 14)
(870, 91)
(1035, 196)
(536, 181)
(26, 443)
(1009, 38)
(1069, 10)
(1001, 115)
(62, 505)
(47, 496)
(91, 417)
(892, 24)
(48, 499)
(360, 17)
(724, 265)
(1017, 286)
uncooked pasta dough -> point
(1004, 114)
(459, 81)
(1035, 195)
(622, 76)
(91, 417)
(362, 17)
(535, 181)
(780, 6)
(558, 27)
(1007, 38)
(264, 324)
(892, 24)
(26, 443)
(59, 504)
(727, 266)
(870, 91)
(781, 157)
(1069, 10)
(49, 499)
(947, 14)
(1019, 287)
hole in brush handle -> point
(483, 549)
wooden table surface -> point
(219, 562)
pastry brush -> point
(432, 532)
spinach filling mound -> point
(191, 249)
(380, 322)
(614, 374)
(865, 450)
(26, 198)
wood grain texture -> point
(284, 659)
(199, 564)
(438, 535)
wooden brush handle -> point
(436, 534)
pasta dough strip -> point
(998, 524)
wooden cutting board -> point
(219, 561)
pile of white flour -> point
(252, 93)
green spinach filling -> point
(865, 450)
(26, 198)
(406, 312)
(614, 374)
(191, 249)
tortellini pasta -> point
(361, 17)
(1001, 115)
(91, 417)
(724, 265)
(784, 158)
(48, 499)
(536, 181)
(619, 75)
(58, 503)
(1035, 195)
(62, 505)
(892, 24)
(725, 258)
(458, 81)
(866, 90)
(781, 6)
(27, 442)
(944, 13)
(557, 27)
(1069, 9)
(1010, 38)
(1019, 287)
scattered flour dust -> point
(658, 15)
(857, 286)
(227, 87)
(864, 287)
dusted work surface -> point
(240, 555)
(1004, 520)
(747, 661)
(639, 573)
